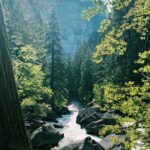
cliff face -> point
(74, 30)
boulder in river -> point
(110, 142)
(45, 137)
(93, 119)
(86, 144)
(90, 144)
(88, 115)
(72, 146)
(34, 124)
(95, 126)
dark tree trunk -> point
(12, 130)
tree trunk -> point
(12, 129)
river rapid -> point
(71, 130)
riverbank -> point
(69, 131)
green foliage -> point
(59, 99)
(32, 109)
(131, 139)
(109, 129)
(136, 18)
(30, 78)
(108, 95)
(116, 140)
(86, 80)
(130, 96)
(70, 77)
(82, 74)
(131, 101)
(128, 100)
(77, 71)
(92, 11)
(97, 90)
(124, 120)
(29, 75)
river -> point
(71, 130)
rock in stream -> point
(45, 137)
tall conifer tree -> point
(55, 61)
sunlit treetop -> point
(28, 53)
(132, 15)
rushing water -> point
(72, 131)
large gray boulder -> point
(34, 124)
(45, 137)
(112, 142)
(93, 119)
(95, 126)
(90, 144)
(88, 115)
(72, 146)
(86, 144)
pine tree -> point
(86, 81)
(70, 77)
(77, 71)
(55, 62)
(82, 74)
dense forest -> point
(75, 75)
